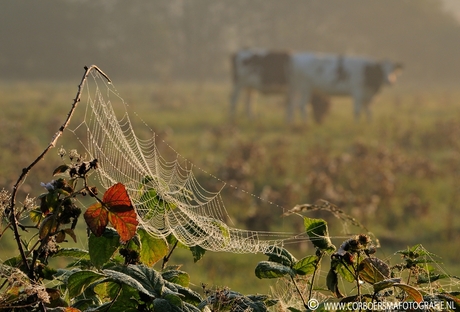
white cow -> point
(267, 72)
(359, 77)
(258, 70)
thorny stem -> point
(25, 171)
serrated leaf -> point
(60, 169)
(96, 217)
(60, 237)
(411, 291)
(102, 248)
(72, 252)
(269, 269)
(129, 280)
(79, 281)
(125, 222)
(178, 277)
(48, 226)
(71, 309)
(306, 265)
(381, 285)
(36, 216)
(188, 295)
(121, 212)
(153, 249)
(197, 253)
(172, 297)
(373, 270)
(160, 304)
(332, 283)
(150, 279)
(280, 255)
(344, 270)
(72, 234)
(318, 233)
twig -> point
(25, 171)
(314, 274)
(300, 293)
(166, 258)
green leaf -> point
(48, 226)
(178, 277)
(36, 216)
(123, 278)
(153, 249)
(197, 253)
(332, 283)
(269, 269)
(102, 248)
(160, 304)
(345, 271)
(148, 278)
(318, 233)
(172, 297)
(415, 251)
(79, 281)
(381, 285)
(60, 169)
(187, 294)
(281, 255)
(306, 265)
(373, 270)
(72, 253)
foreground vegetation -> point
(395, 175)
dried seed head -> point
(74, 155)
(62, 152)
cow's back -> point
(332, 74)
(265, 71)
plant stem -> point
(314, 274)
(300, 293)
(166, 258)
(25, 171)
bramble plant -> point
(116, 272)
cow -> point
(338, 75)
(267, 72)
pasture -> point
(398, 175)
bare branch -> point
(25, 171)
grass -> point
(399, 175)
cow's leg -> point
(234, 100)
(249, 100)
(291, 99)
(293, 93)
(305, 99)
(358, 104)
(367, 110)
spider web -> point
(166, 194)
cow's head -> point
(391, 71)
(380, 73)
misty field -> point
(398, 175)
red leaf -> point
(121, 214)
(125, 222)
(96, 217)
(117, 196)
